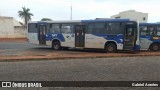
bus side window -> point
(54, 28)
(48, 28)
(72, 28)
(32, 27)
(67, 28)
(95, 28)
(90, 29)
(129, 32)
(143, 30)
(114, 28)
(100, 28)
(158, 31)
(152, 31)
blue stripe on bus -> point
(112, 37)
(144, 36)
(42, 23)
(109, 20)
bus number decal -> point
(54, 35)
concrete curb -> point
(42, 58)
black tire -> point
(110, 48)
(155, 47)
(56, 45)
(65, 48)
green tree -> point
(46, 19)
(25, 15)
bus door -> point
(42, 34)
(79, 36)
(130, 37)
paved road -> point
(16, 49)
(100, 69)
(16, 45)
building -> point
(132, 14)
(11, 28)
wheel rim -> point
(110, 48)
(56, 46)
(155, 47)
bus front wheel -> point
(154, 47)
(110, 48)
(56, 45)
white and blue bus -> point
(150, 36)
(110, 35)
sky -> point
(81, 9)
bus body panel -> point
(90, 40)
(67, 40)
(98, 41)
(149, 34)
(145, 43)
(33, 38)
(137, 44)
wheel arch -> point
(108, 42)
(152, 44)
(56, 39)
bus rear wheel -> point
(56, 45)
(155, 47)
(110, 48)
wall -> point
(10, 28)
(131, 14)
(6, 27)
(20, 32)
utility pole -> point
(71, 11)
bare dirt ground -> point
(13, 39)
(63, 55)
